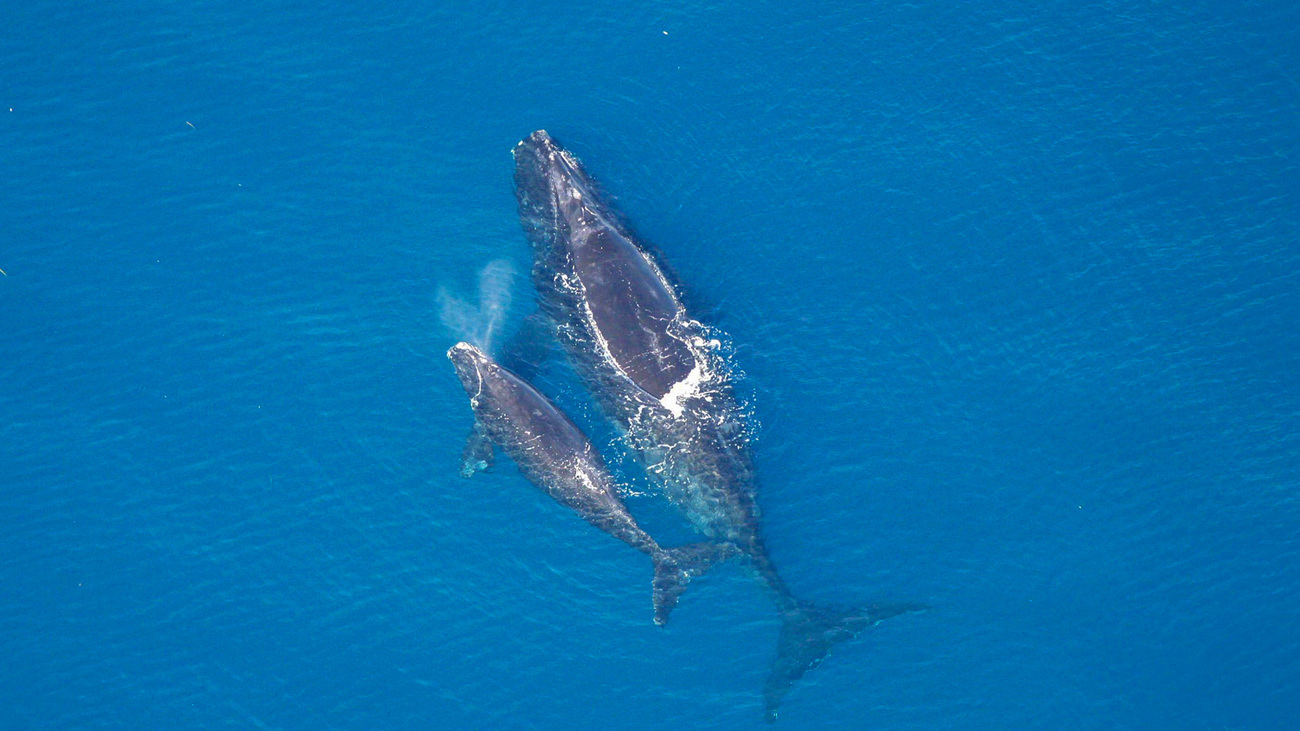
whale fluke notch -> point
(807, 633)
(675, 567)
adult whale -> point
(662, 378)
(553, 453)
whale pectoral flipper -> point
(807, 633)
(478, 455)
(675, 567)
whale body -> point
(662, 378)
(554, 454)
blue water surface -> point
(1014, 290)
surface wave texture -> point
(1013, 292)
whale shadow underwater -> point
(662, 378)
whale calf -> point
(554, 454)
(662, 378)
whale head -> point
(473, 368)
(553, 188)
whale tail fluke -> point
(675, 567)
(807, 633)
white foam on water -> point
(683, 389)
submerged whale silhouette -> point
(660, 377)
(554, 454)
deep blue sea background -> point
(1014, 290)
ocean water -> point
(1014, 290)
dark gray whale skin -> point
(624, 329)
(653, 370)
(554, 454)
